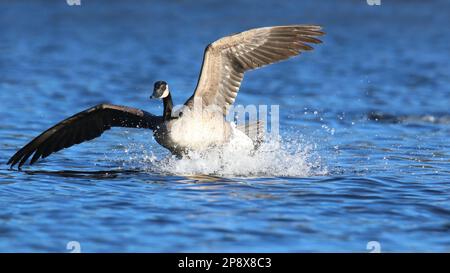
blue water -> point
(364, 120)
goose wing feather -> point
(84, 126)
(226, 60)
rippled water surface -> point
(364, 120)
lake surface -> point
(364, 121)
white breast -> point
(199, 130)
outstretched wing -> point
(226, 60)
(81, 127)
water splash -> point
(281, 157)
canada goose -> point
(224, 64)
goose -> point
(200, 123)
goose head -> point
(160, 90)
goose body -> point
(205, 129)
(201, 123)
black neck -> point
(168, 105)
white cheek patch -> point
(166, 92)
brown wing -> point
(81, 127)
(226, 60)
